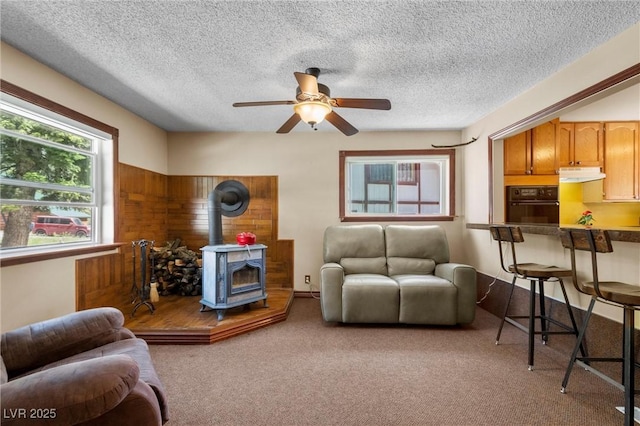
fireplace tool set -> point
(146, 293)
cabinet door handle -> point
(579, 162)
(571, 163)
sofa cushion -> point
(414, 242)
(427, 299)
(59, 338)
(79, 391)
(364, 265)
(410, 265)
(370, 298)
(136, 349)
(361, 246)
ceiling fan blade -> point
(289, 124)
(263, 103)
(308, 83)
(341, 124)
(361, 103)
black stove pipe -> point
(215, 200)
(229, 198)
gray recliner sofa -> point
(394, 274)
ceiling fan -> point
(314, 103)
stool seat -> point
(536, 270)
(614, 291)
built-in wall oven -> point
(533, 204)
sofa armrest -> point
(71, 393)
(464, 278)
(331, 279)
(139, 408)
(42, 343)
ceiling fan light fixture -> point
(312, 112)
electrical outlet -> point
(307, 279)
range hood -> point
(580, 174)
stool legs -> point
(572, 318)
(545, 320)
(506, 309)
(576, 348)
(532, 319)
(628, 359)
(544, 323)
(629, 366)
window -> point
(56, 176)
(397, 185)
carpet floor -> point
(304, 371)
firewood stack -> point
(177, 269)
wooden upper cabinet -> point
(565, 147)
(517, 154)
(622, 161)
(580, 144)
(543, 149)
(531, 152)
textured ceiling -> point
(181, 64)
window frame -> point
(400, 154)
(110, 233)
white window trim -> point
(105, 152)
(447, 193)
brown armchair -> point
(81, 368)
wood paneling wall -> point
(162, 208)
(142, 213)
(143, 205)
(101, 281)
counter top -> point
(630, 234)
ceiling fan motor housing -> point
(322, 90)
(313, 71)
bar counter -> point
(630, 234)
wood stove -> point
(232, 275)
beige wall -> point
(141, 143)
(306, 164)
(614, 56)
(46, 289)
(620, 106)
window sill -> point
(20, 259)
(397, 219)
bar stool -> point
(626, 296)
(535, 273)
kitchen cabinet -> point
(622, 161)
(580, 144)
(532, 152)
(517, 154)
(543, 149)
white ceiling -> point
(181, 64)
